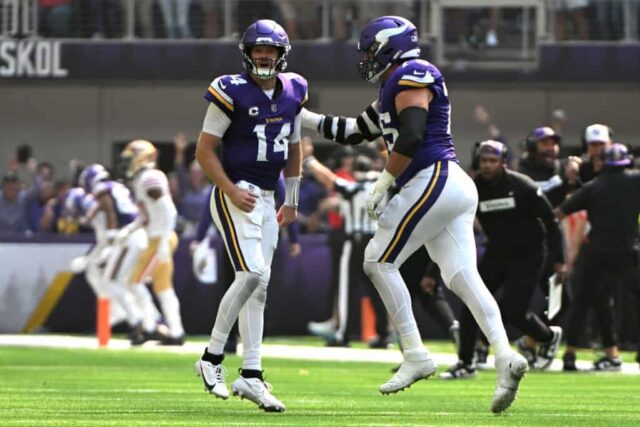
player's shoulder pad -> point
(416, 73)
(223, 90)
(153, 178)
(299, 84)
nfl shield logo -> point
(274, 107)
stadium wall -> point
(43, 295)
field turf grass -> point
(46, 387)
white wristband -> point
(385, 180)
(292, 191)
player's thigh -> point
(162, 273)
(402, 228)
(454, 248)
(125, 256)
(270, 230)
(145, 261)
(241, 232)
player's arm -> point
(576, 202)
(210, 139)
(156, 188)
(544, 212)
(288, 212)
(344, 130)
(105, 204)
(412, 106)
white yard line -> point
(338, 354)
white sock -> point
(468, 285)
(171, 310)
(396, 298)
(116, 313)
(251, 327)
(343, 291)
(230, 305)
(145, 301)
(127, 301)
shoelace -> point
(220, 373)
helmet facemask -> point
(256, 67)
(370, 69)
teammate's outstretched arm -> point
(212, 167)
(413, 107)
(344, 130)
(288, 212)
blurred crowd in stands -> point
(303, 19)
(33, 191)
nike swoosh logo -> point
(418, 73)
(222, 85)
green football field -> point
(43, 387)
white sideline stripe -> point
(278, 351)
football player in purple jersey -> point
(254, 117)
(435, 206)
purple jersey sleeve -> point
(437, 143)
(300, 88)
(220, 93)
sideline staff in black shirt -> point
(518, 221)
(612, 201)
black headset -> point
(475, 159)
(531, 143)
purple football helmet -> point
(92, 175)
(267, 33)
(74, 203)
(386, 41)
(617, 155)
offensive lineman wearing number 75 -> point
(255, 118)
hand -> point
(163, 252)
(374, 199)
(286, 215)
(481, 115)
(180, 141)
(561, 272)
(385, 180)
(121, 235)
(294, 249)
(572, 169)
(244, 200)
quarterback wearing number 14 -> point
(255, 118)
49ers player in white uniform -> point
(158, 218)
